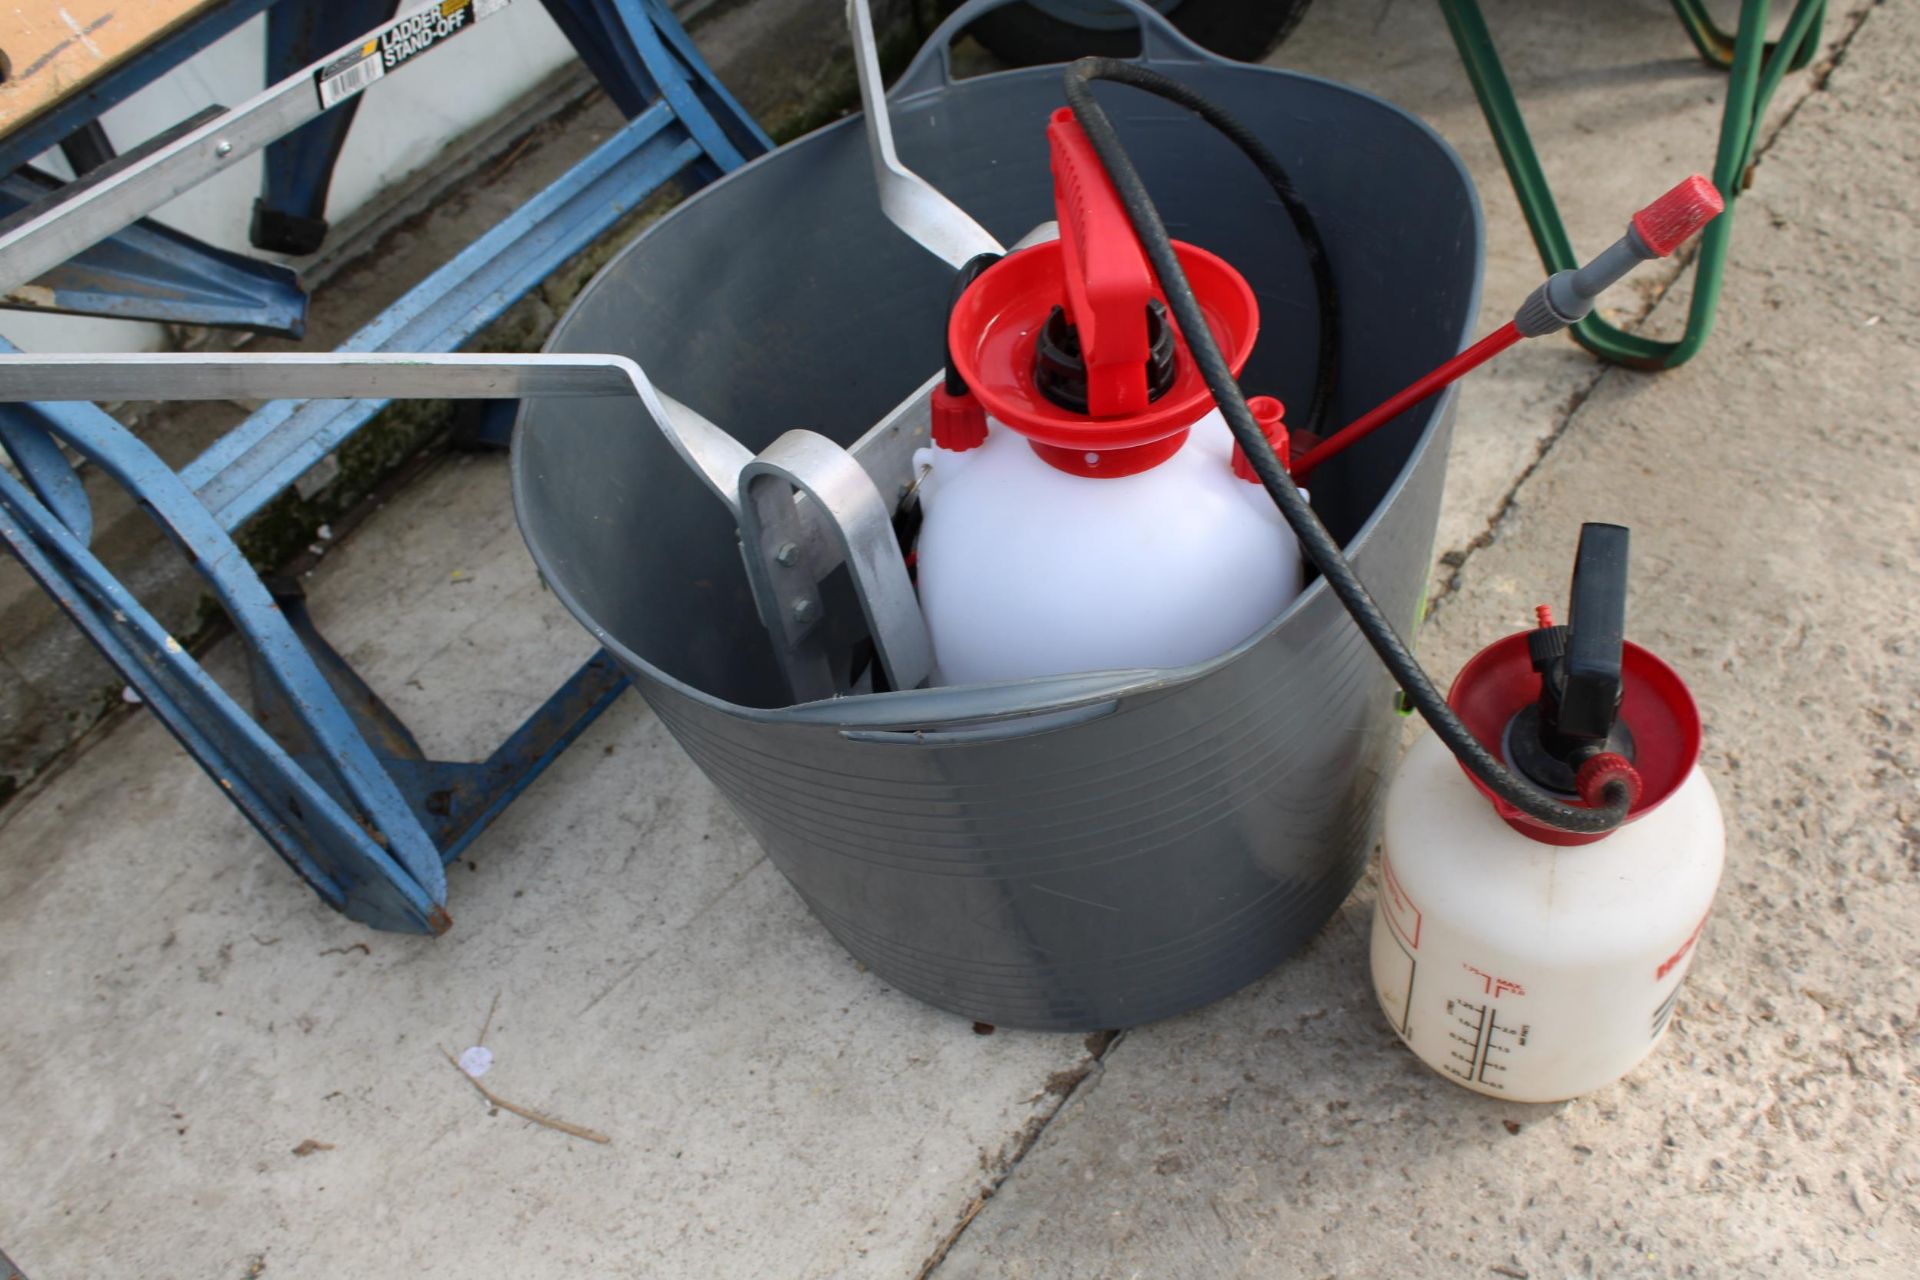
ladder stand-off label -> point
(405, 38)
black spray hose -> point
(1315, 541)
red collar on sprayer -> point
(1034, 375)
(1573, 707)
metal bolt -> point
(786, 555)
(805, 611)
(223, 148)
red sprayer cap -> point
(1665, 224)
(1271, 415)
(1567, 706)
(1141, 389)
(1656, 707)
(959, 423)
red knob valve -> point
(1500, 680)
(1601, 771)
(1097, 272)
(959, 423)
(1271, 415)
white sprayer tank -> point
(1527, 970)
(1027, 570)
(1522, 961)
(1083, 506)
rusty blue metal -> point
(321, 766)
(244, 470)
(151, 272)
(31, 443)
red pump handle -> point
(1108, 280)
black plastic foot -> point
(280, 232)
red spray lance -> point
(1564, 299)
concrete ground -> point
(208, 1074)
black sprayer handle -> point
(1596, 629)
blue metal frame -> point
(290, 215)
(246, 468)
(659, 61)
(322, 768)
(149, 271)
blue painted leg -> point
(323, 769)
(376, 818)
(290, 215)
(149, 271)
(341, 857)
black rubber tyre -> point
(1245, 29)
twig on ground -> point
(525, 1113)
(488, 1024)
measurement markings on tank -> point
(1479, 1033)
(1405, 1018)
(1400, 911)
(1472, 1019)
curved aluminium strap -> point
(910, 202)
(714, 456)
(847, 510)
(792, 551)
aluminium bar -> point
(715, 456)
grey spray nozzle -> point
(1656, 231)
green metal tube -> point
(1509, 129)
(1716, 46)
(1756, 71)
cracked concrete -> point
(178, 1016)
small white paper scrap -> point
(476, 1061)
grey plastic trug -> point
(1078, 852)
